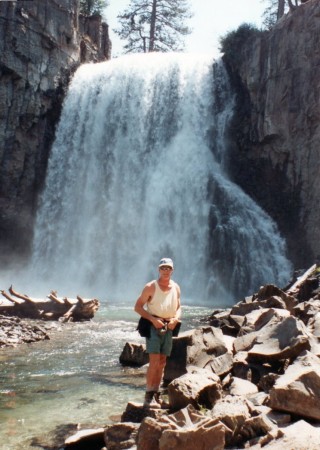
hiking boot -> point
(150, 401)
(162, 403)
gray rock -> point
(195, 347)
(298, 390)
(283, 340)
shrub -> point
(232, 43)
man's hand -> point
(157, 323)
(172, 323)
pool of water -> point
(73, 378)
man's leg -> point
(155, 370)
(157, 363)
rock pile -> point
(14, 331)
(249, 379)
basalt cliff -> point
(41, 45)
(275, 157)
(275, 152)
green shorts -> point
(159, 344)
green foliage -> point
(154, 26)
(270, 14)
(91, 7)
(232, 43)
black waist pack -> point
(175, 331)
(144, 328)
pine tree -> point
(276, 9)
(154, 25)
(90, 7)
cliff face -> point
(276, 158)
(41, 45)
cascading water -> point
(136, 173)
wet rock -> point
(134, 355)
(120, 436)
(135, 413)
(93, 439)
(15, 331)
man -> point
(159, 302)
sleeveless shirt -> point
(163, 304)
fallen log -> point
(21, 296)
(53, 296)
(8, 297)
(50, 308)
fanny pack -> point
(144, 328)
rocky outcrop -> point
(41, 44)
(276, 129)
(268, 396)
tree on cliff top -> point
(90, 7)
(276, 9)
(154, 25)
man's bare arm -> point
(145, 296)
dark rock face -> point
(41, 45)
(276, 155)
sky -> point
(212, 19)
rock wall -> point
(41, 45)
(276, 158)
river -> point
(73, 378)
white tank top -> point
(164, 304)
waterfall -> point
(137, 173)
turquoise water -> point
(74, 378)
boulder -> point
(135, 413)
(221, 365)
(242, 387)
(149, 434)
(232, 412)
(297, 391)
(185, 430)
(314, 324)
(286, 339)
(298, 436)
(196, 347)
(199, 387)
(120, 436)
(257, 319)
(270, 295)
(89, 438)
(256, 426)
(134, 355)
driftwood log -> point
(13, 303)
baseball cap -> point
(166, 262)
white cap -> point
(166, 262)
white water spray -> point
(136, 173)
